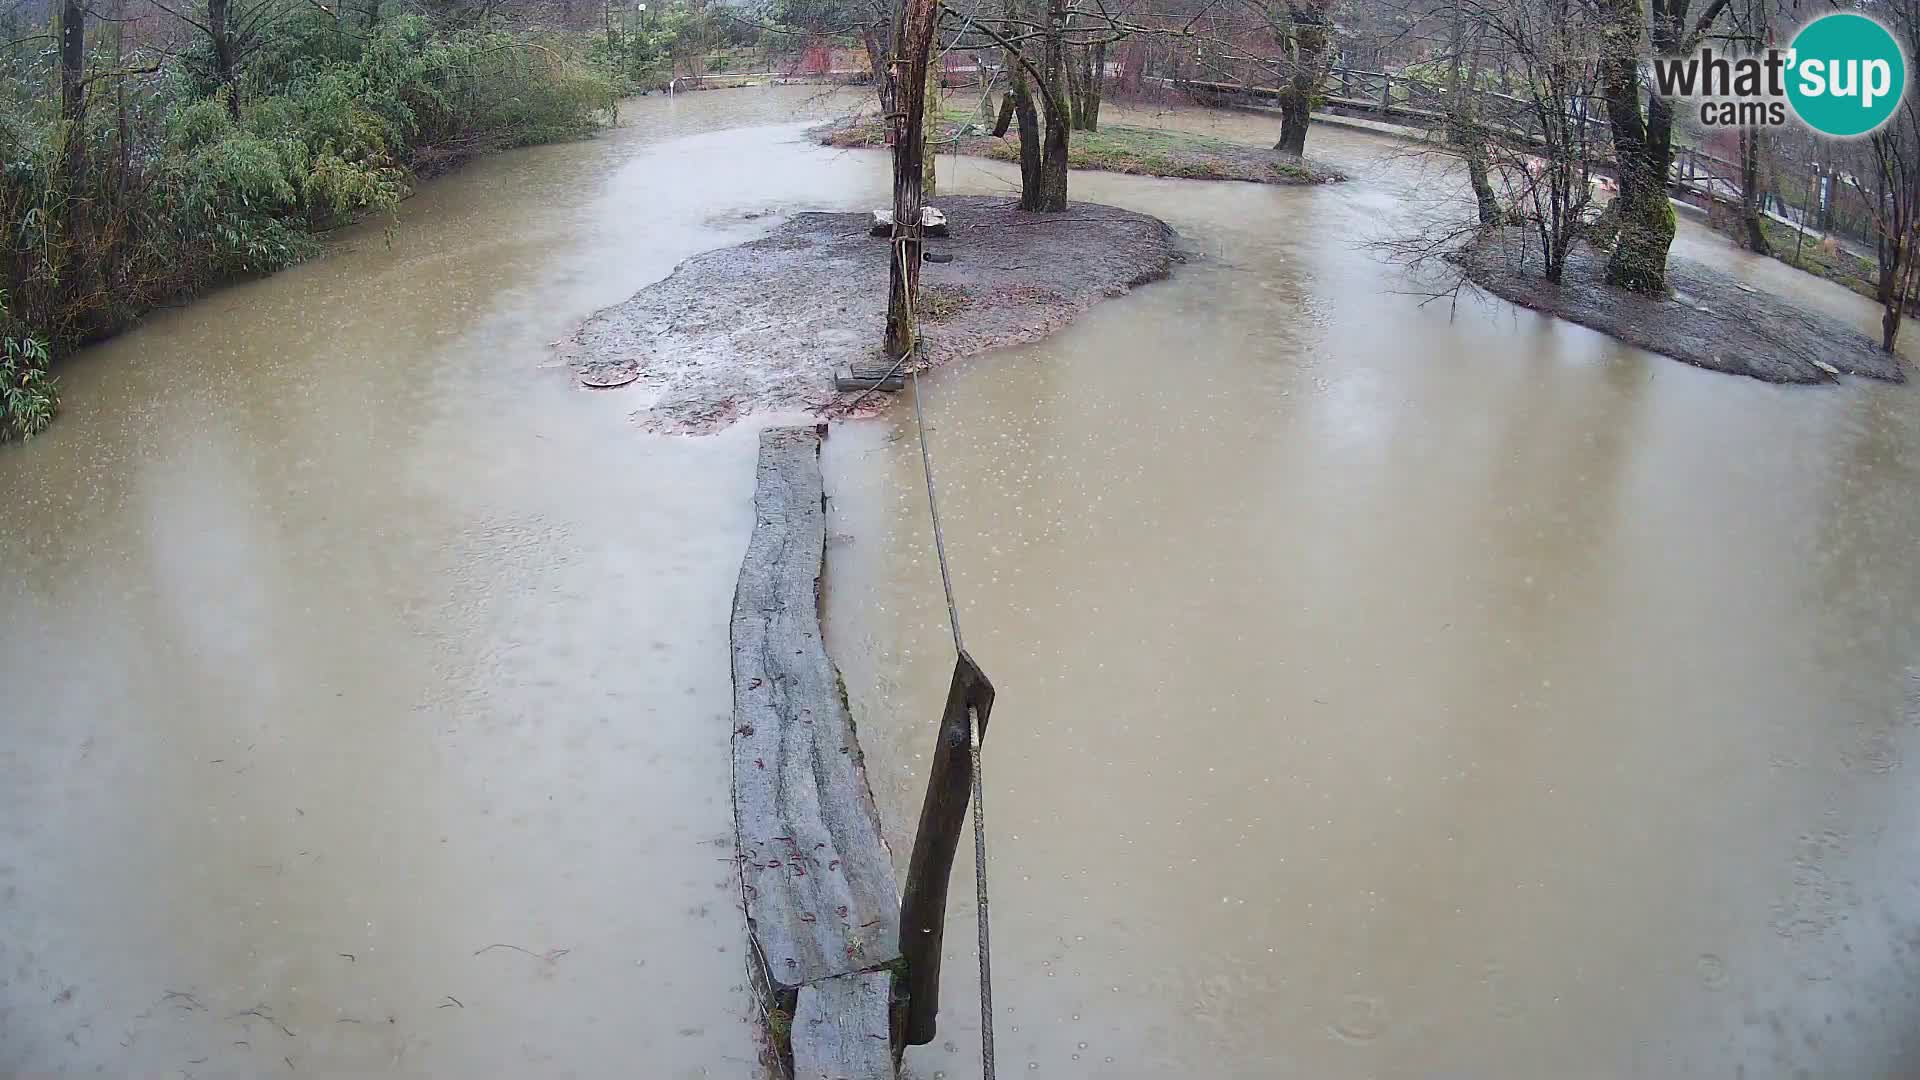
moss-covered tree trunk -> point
(1643, 139)
(1309, 44)
(1642, 151)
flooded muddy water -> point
(1384, 692)
(345, 640)
(1392, 692)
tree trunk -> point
(1076, 82)
(1642, 150)
(1293, 125)
(372, 13)
(1005, 119)
(1052, 178)
(222, 36)
(909, 76)
(73, 88)
(1027, 115)
(1085, 64)
(877, 61)
(1750, 190)
(1465, 130)
(1893, 258)
(1310, 42)
(1020, 91)
(931, 130)
(1088, 110)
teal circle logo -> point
(1846, 75)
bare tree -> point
(1539, 175)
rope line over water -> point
(973, 746)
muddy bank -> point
(1113, 148)
(1710, 319)
(760, 327)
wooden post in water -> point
(907, 71)
(923, 906)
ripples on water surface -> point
(1382, 694)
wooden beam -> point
(840, 1028)
(821, 899)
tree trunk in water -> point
(1750, 190)
(909, 75)
(1643, 150)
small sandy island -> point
(1710, 319)
(1114, 148)
(760, 327)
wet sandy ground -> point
(757, 329)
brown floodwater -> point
(1393, 691)
(1386, 690)
(344, 639)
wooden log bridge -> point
(821, 901)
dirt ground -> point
(759, 328)
(1710, 319)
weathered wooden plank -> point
(820, 892)
(867, 377)
(923, 911)
(840, 1029)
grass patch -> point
(938, 303)
(1839, 266)
(1113, 148)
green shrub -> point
(27, 397)
(174, 192)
